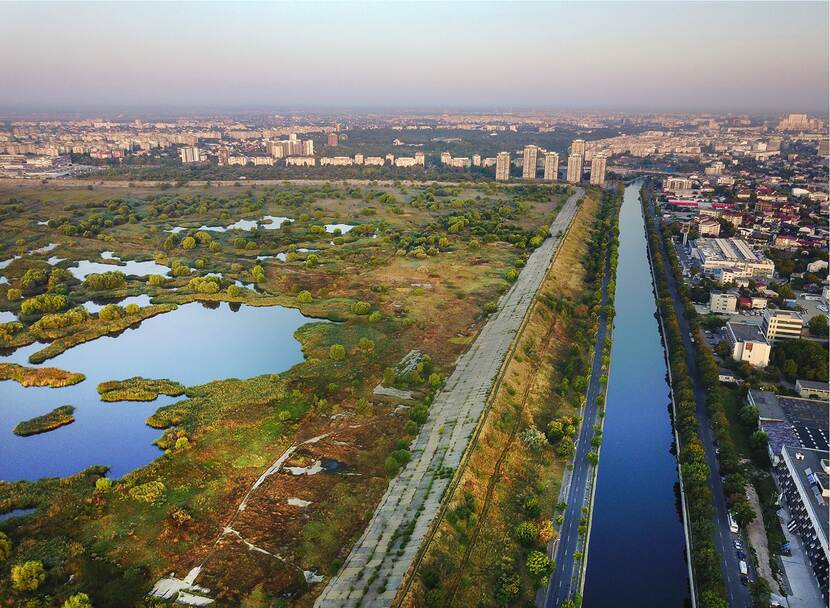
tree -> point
(818, 326)
(526, 533)
(391, 466)
(28, 576)
(79, 600)
(5, 547)
(361, 308)
(539, 564)
(337, 352)
(188, 242)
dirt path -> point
(758, 538)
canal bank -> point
(637, 546)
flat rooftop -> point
(728, 250)
(808, 472)
(808, 417)
(746, 332)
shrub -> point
(132, 309)
(204, 284)
(111, 312)
(305, 297)
(375, 316)
(13, 294)
(79, 600)
(538, 564)
(28, 576)
(526, 533)
(188, 242)
(361, 308)
(337, 352)
(44, 303)
(391, 466)
(156, 280)
(5, 547)
(511, 275)
(149, 492)
(112, 279)
(103, 484)
(234, 290)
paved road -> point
(564, 580)
(377, 563)
(736, 593)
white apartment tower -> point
(551, 166)
(503, 166)
(529, 162)
(191, 155)
(598, 170)
(574, 168)
(578, 147)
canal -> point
(637, 545)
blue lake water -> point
(637, 545)
(193, 345)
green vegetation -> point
(39, 376)
(440, 254)
(489, 548)
(58, 417)
(138, 389)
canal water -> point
(193, 344)
(637, 545)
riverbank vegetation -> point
(418, 271)
(488, 547)
(695, 470)
(58, 417)
(39, 376)
(138, 389)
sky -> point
(753, 57)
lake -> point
(193, 345)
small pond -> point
(266, 222)
(130, 267)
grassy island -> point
(58, 417)
(138, 389)
(39, 376)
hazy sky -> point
(747, 56)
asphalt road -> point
(736, 593)
(380, 558)
(564, 581)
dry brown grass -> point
(498, 468)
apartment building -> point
(551, 166)
(529, 162)
(503, 166)
(723, 303)
(574, 175)
(782, 324)
(804, 479)
(748, 344)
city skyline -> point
(699, 57)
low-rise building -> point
(782, 324)
(724, 303)
(748, 343)
(731, 255)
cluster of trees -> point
(694, 467)
(91, 219)
(112, 279)
(803, 359)
(204, 284)
(44, 303)
(51, 322)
